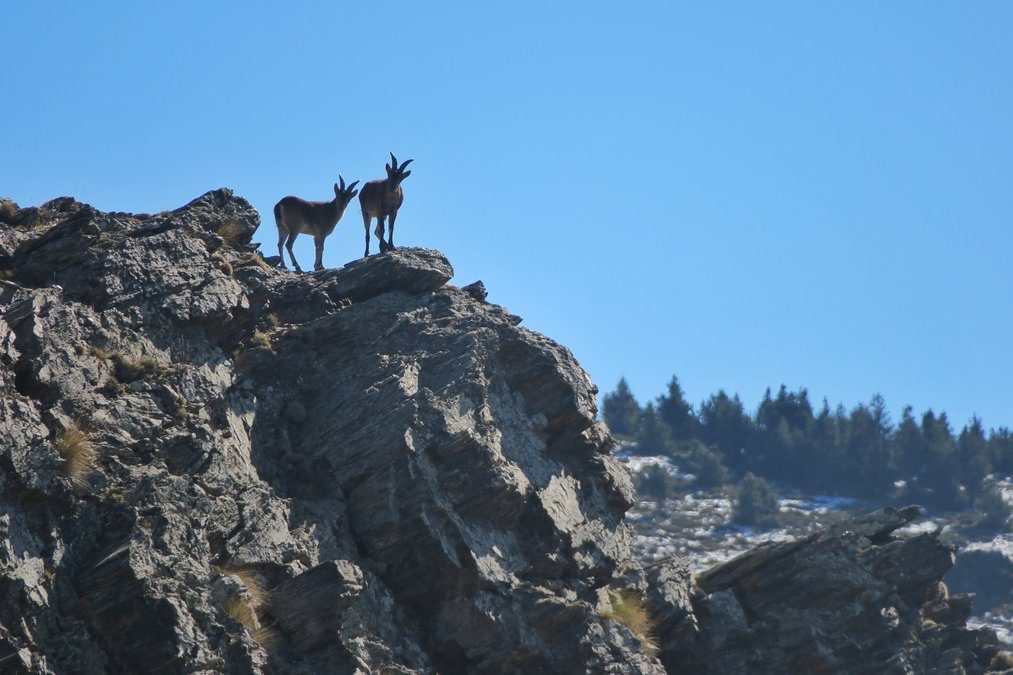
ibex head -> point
(344, 194)
(395, 173)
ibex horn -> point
(352, 186)
(406, 164)
(342, 181)
(393, 161)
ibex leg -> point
(390, 234)
(365, 221)
(288, 245)
(319, 263)
(379, 233)
(281, 242)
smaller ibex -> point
(382, 198)
(294, 216)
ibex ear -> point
(405, 174)
(337, 190)
(387, 166)
(354, 192)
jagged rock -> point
(9, 211)
(407, 271)
(338, 602)
(852, 599)
(669, 588)
(476, 290)
(443, 500)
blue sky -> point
(742, 194)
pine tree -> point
(869, 450)
(677, 413)
(826, 439)
(621, 410)
(654, 437)
(706, 463)
(792, 407)
(725, 425)
(1000, 445)
(909, 446)
(973, 453)
(941, 478)
(756, 502)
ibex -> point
(294, 216)
(382, 198)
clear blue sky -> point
(743, 194)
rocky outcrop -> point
(211, 465)
(851, 599)
(362, 469)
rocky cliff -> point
(210, 465)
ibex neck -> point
(336, 209)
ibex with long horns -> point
(382, 198)
(294, 216)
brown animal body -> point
(381, 199)
(295, 216)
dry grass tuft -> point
(250, 579)
(221, 263)
(1001, 663)
(78, 453)
(242, 610)
(260, 339)
(256, 260)
(272, 320)
(265, 636)
(631, 610)
(112, 386)
(243, 607)
(130, 369)
(106, 354)
(231, 231)
(179, 407)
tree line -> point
(858, 452)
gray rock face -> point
(853, 599)
(357, 470)
(211, 465)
